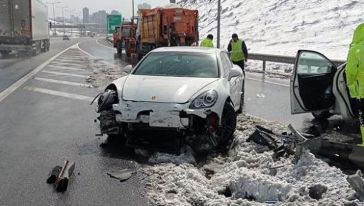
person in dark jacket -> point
(238, 51)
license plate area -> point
(164, 119)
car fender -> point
(118, 84)
(222, 88)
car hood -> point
(163, 89)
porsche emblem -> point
(154, 97)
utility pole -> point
(54, 15)
(64, 23)
(218, 22)
(132, 17)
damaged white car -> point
(191, 91)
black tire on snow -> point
(322, 115)
(228, 125)
(242, 100)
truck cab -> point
(318, 86)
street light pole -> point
(132, 17)
(54, 14)
(218, 22)
(64, 23)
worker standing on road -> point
(355, 73)
(238, 51)
(207, 42)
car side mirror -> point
(235, 72)
(128, 68)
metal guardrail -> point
(281, 59)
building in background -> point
(114, 12)
(86, 15)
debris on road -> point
(248, 175)
(122, 175)
(60, 176)
(357, 183)
(54, 174)
(263, 137)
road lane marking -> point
(65, 68)
(65, 74)
(85, 52)
(269, 82)
(58, 93)
(63, 82)
(109, 47)
(24, 79)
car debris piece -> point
(122, 175)
(60, 176)
(54, 174)
(61, 183)
(357, 183)
(263, 137)
(282, 144)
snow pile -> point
(248, 176)
(185, 157)
(283, 26)
(103, 73)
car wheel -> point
(242, 100)
(322, 115)
(228, 126)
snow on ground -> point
(246, 176)
(282, 27)
(103, 73)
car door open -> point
(311, 83)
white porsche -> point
(193, 91)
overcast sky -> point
(124, 6)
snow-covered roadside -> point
(283, 26)
(103, 73)
(247, 176)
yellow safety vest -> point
(207, 43)
(355, 64)
(237, 53)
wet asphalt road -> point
(14, 67)
(48, 120)
(269, 98)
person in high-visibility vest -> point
(355, 73)
(238, 51)
(207, 42)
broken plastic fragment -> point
(122, 175)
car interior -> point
(315, 78)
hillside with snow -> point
(283, 26)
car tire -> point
(242, 100)
(322, 115)
(228, 126)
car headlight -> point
(204, 100)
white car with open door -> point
(319, 86)
(192, 91)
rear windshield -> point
(179, 64)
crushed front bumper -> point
(158, 115)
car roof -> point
(188, 49)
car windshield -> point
(179, 64)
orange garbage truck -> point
(126, 37)
(161, 27)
